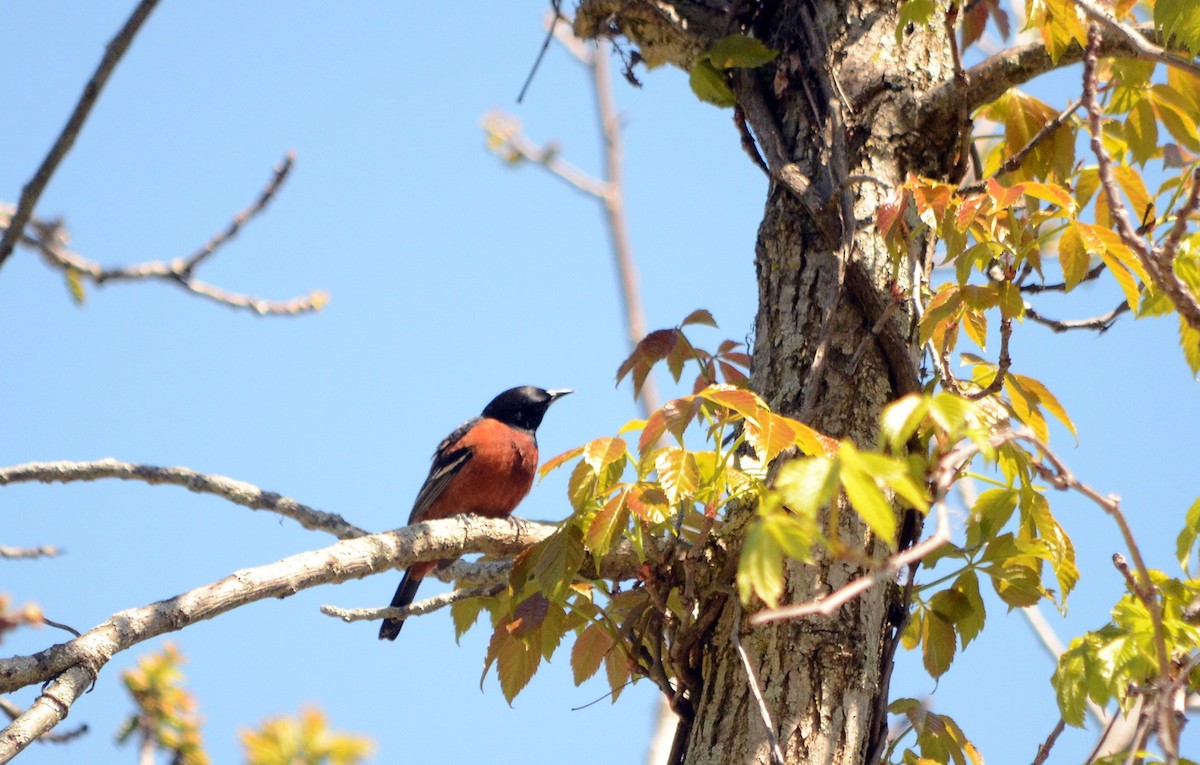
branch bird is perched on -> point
(485, 467)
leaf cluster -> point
(166, 712)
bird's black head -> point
(523, 407)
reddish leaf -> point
(648, 502)
(602, 452)
(555, 462)
(699, 316)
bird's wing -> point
(447, 461)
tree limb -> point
(66, 139)
(237, 492)
(987, 80)
(72, 666)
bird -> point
(485, 467)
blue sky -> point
(452, 277)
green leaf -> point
(555, 462)
(760, 567)
(464, 614)
(709, 85)
(865, 495)
(592, 645)
(739, 52)
(581, 487)
(1070, 689)
(558, 558)
(1189, 340)
(914, 12)
(989, 514)
(1187, 537)
(516, 661)
(970, 622)
(616, 668)
(790, 532)
(1180, 22)
(901, 418)
(770, 434)
(75, 286)
(1141, 131)
(937, 644)
(608, 524)
(1043, 396)
(807, 484)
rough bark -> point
(837, 121)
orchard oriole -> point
(486, 467)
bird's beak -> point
(557, 394)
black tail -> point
(404, 596)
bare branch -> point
(1132, 37)
(507, 140)
(1044, 750)
(1099, 324)
(41, 551)
(1170, 245)
(278, 176)
(73, 666)
(1091, 275)
(237, 492)
(987, 80)
(66, 139)
(51, 240)
(340, 562)
(420, 608)
(1157, 261)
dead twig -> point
(66, 139)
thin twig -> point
(237, 492)
(278, 176)
(1100, 324)
(420, 608)
(755, 687)
(66, 139)
(1060, 477)
(1135, 39)
(1094, 273)
(1156, 260)
(1044, 750)
(41, 551)
(1018, 158)
(50, 239)
(537, 62)
(510, 143)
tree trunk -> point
(836, 119)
